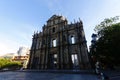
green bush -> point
(7, 63)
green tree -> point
(106, 23)
(108, 44)
(7, 63)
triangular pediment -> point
(53, 17)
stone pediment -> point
(54, 17)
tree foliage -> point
(105, 24)
(7, 63)
(108, 44)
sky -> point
(20, 18)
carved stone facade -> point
(59, 46)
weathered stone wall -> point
(59, 46)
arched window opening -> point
(54, 43)
(72, 40)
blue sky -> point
(20, 18)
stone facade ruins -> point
(59, 46)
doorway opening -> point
(74, 61)
(53, 61)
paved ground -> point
(9, 75)
(113, 74)
(115, 78)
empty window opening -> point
(55, 62)
(72, 39)
(54, 43)
(74, 59)
(53, 29)
(55, 58)
(55, 55)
